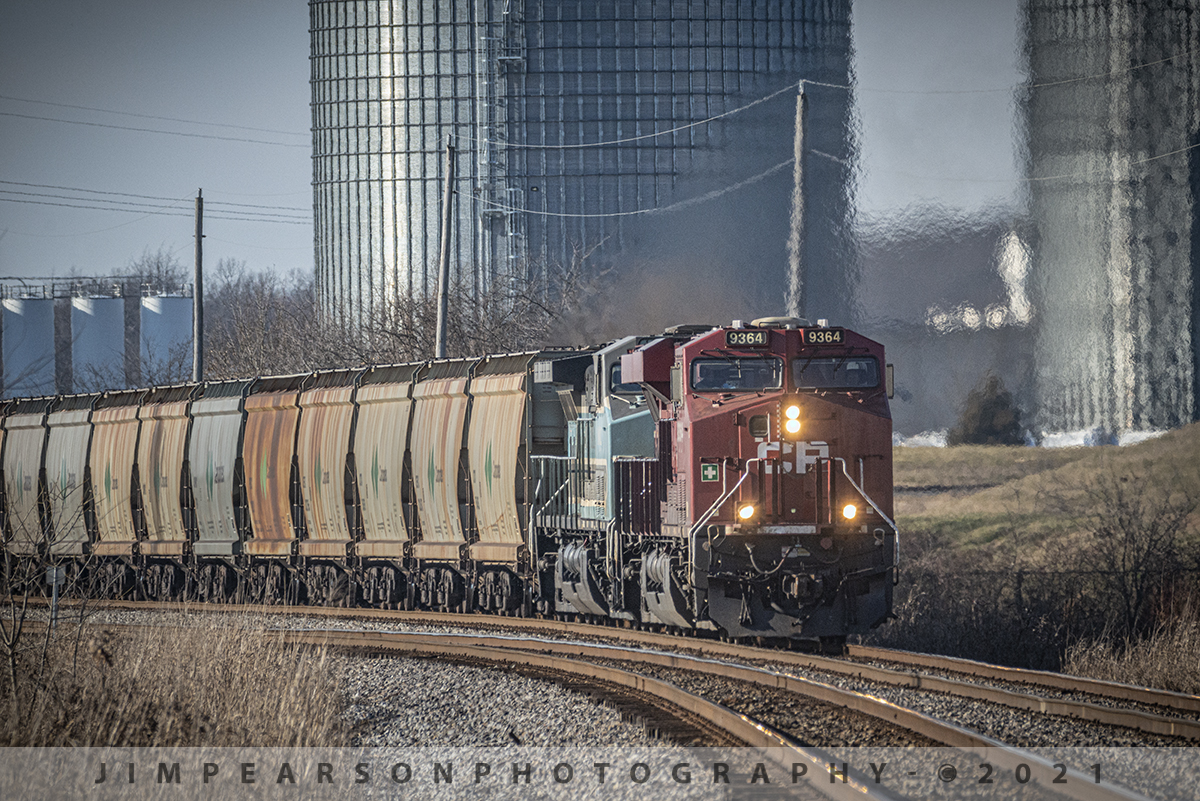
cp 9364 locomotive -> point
(734, 479)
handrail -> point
(561, 487)
(875, 506)
(712, 510)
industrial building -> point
(571, 120)
(1113, 116)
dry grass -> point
(972, 467)
(1169, 659)
(203, 686)
(982, 491)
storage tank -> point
(98, 343)
(28, 336)
(166, 339)
(570, 118)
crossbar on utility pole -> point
(444, 260)
(198, 294)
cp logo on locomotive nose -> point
(807, 453)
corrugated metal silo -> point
(528, 89)
(1112, 114)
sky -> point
(934, 103)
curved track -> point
(1177, 703)
(633, 653)
(1141, 709)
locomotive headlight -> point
(791, 420)
(849, 511)
(746, 512)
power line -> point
(256, 206)
(151, 130)
(160, 213)
(799, 85)
(658, 209)
(789, 88)
(1021, 86)
(1133, 163)
(256, 247)
(115, 205)
(771, 170)
(92, 191)
(146, 197)
(1039, 178)
(97, 200)
(152, 117)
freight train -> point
(735, 480)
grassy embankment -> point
(1081, 558)
(210, 685)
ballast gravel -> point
(404, 701)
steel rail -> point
(533, 651)
(1182, 702)
(773, 745)
(559, 654)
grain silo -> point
(569, 118)
(1113, 116)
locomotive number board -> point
(746, 339)
(824, 336)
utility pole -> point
(198, 294)
(444, 261)
(795, 291)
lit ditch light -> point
(746, 511)
(849, 511)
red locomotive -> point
(777, 514)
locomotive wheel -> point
(835, 645)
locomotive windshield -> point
(846, 372)
(736, 375)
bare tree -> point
(23, 576)
(259, 323)
(264, 324)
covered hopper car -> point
(735, 480)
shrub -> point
(989, 417)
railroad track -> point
(565, 656)
(1140, 709)
(1182, 704)
(637, 655)
(685, 716)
